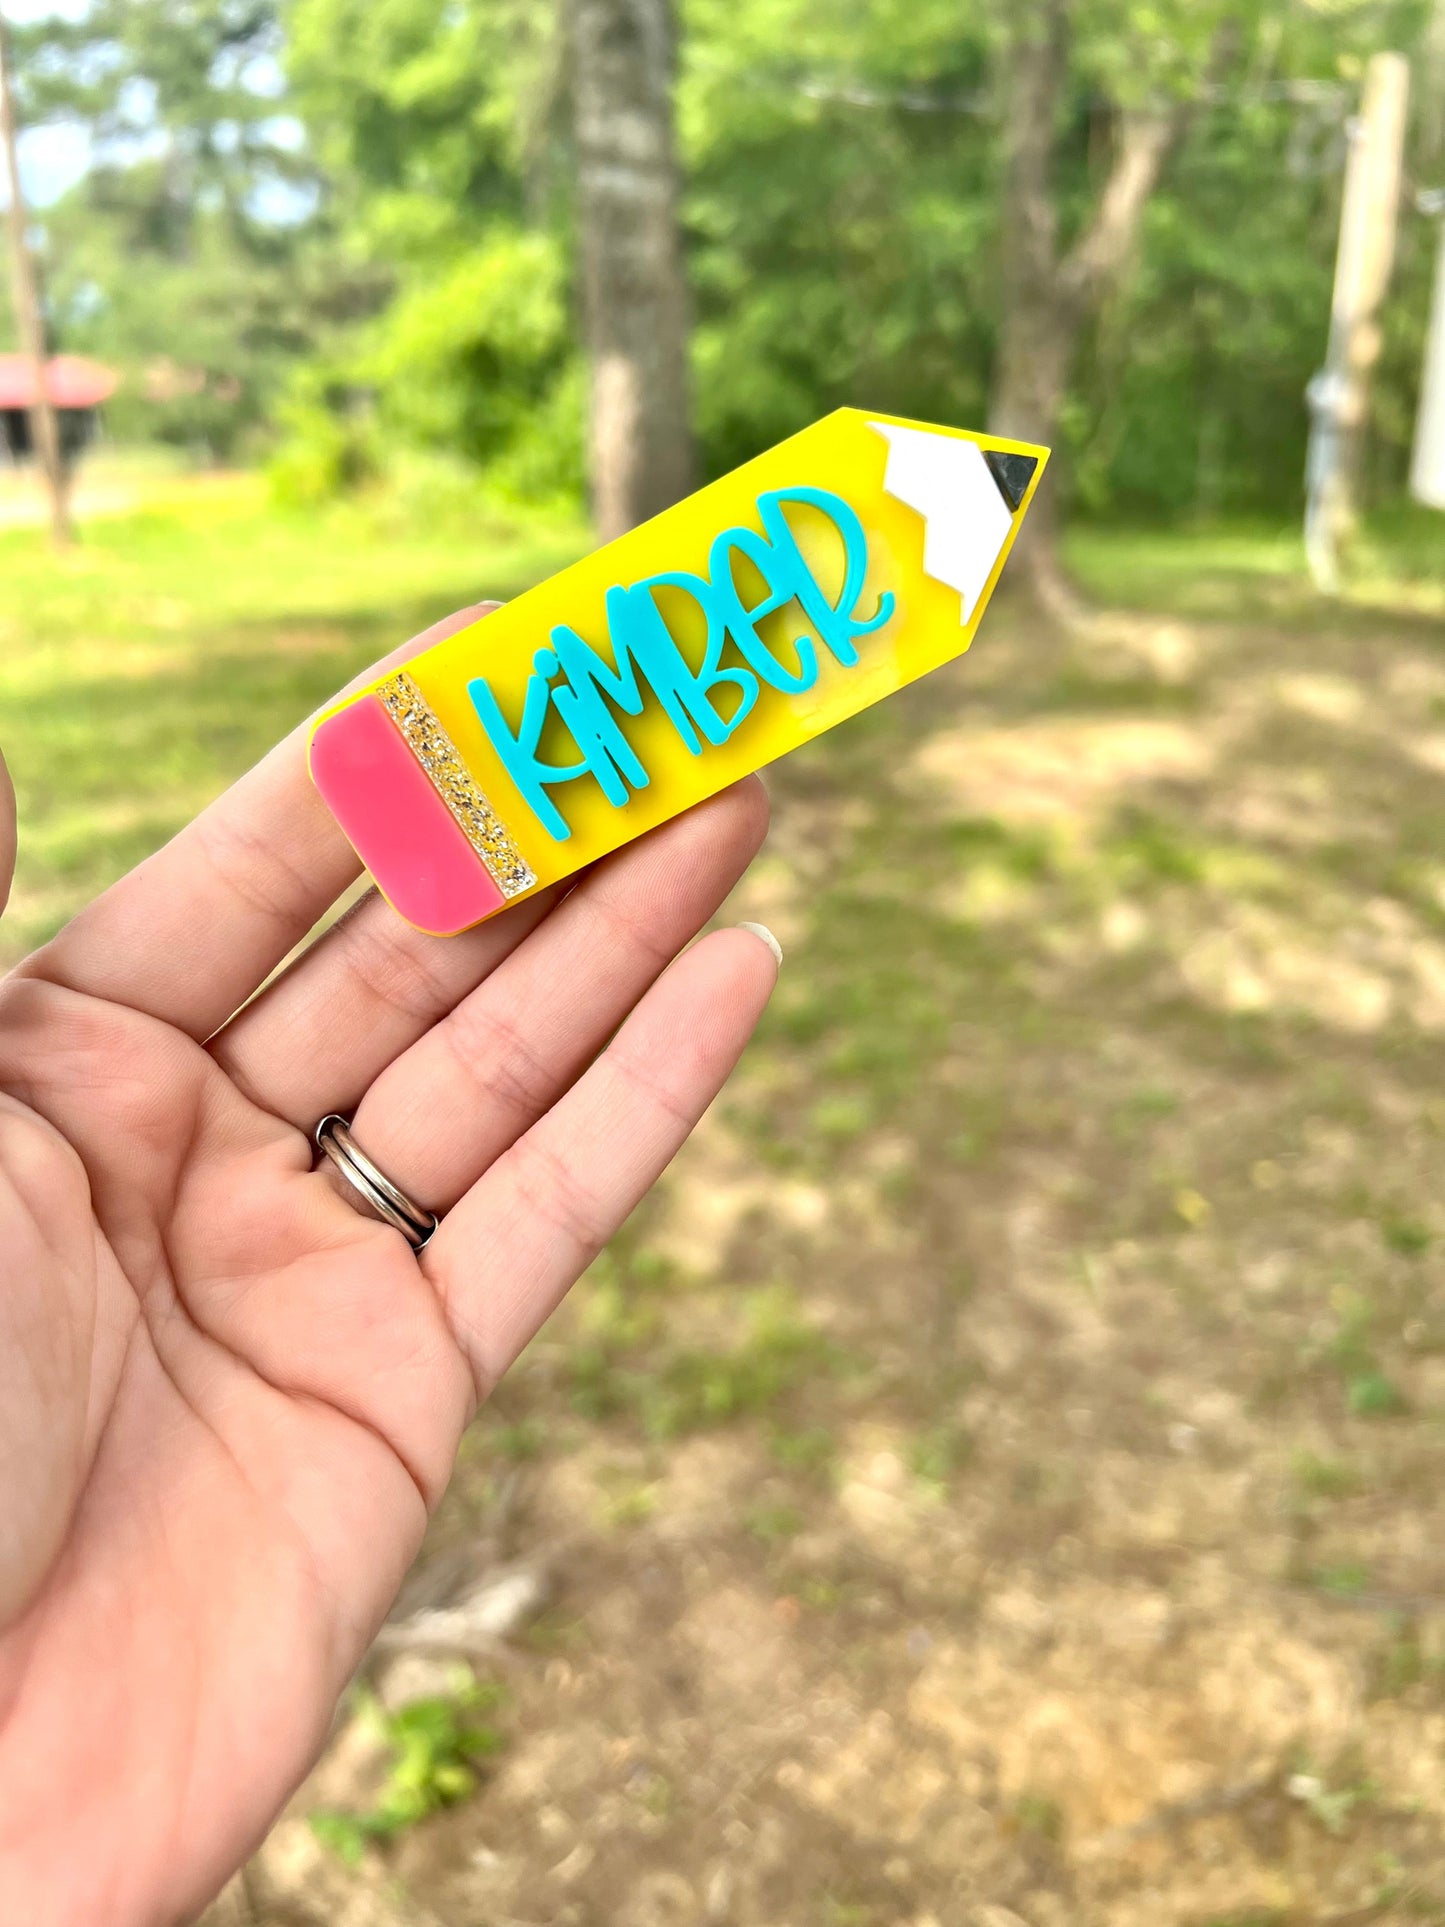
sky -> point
(52, 159)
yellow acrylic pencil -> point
(814, 580)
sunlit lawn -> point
(144, 670)
(1032, 1380)
(1397, 564)
(176, 643)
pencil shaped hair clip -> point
(812, 581)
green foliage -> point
(938, 1453)
(811, 1451)
(427, 114)
(352, 222)
(190, 254)
(327, 451)
(1147, 849)
(844, 204)
(773, 1523)
(1407, 1236)
(434, 1747)
(1344, 1581)
(522, 1442)
(1039, 1815)
(1402, 1663)
(189, 636)
(1333, 1807)
(478, 360)
(622, 1369)
(840, 1117)
(1374, 1395)
(1324, 1478)
(840, 248)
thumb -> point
(7, 832)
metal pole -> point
(1339, 395)
(26, 297)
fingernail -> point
(762, 931)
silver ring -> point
(387, 1200)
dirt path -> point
(105, 488)
(22, 504)
(997, 1480)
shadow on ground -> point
(994, 1481)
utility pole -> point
(1427, 468)
(25, 295)
(1432, 90)
(1339, 396)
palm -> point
(227, 1399)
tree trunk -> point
(25, 290)
(634, 295)
(1046, 294)
(1029, 385)
(1036, 326)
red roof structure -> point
(70, 380)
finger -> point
(320, 1034)
(323, 1030)
(505, 1256)
(7, 833)
(189, 934)
(437, 1117)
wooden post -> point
(1427, 467)
(1340, 396)
(1432, 91)
(25, 295)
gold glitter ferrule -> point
(454, 784)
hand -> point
(228, 1400)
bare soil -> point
(995, 1481)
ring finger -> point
(438, 1116)
(357, 998)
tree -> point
(188, 251)
(1049, 288)
(634, 297)
(1095, 97)
(26, 303)
(845, 172)
(900, 204)
(439, 129)
(839, 209)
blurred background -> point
(996, 1480)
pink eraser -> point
(396, 821)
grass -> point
(1256, 570)
(433, 1747)
(1055, 1374)
(630, 1365)
(144, 671)
(152, 665)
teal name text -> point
(590, 694)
